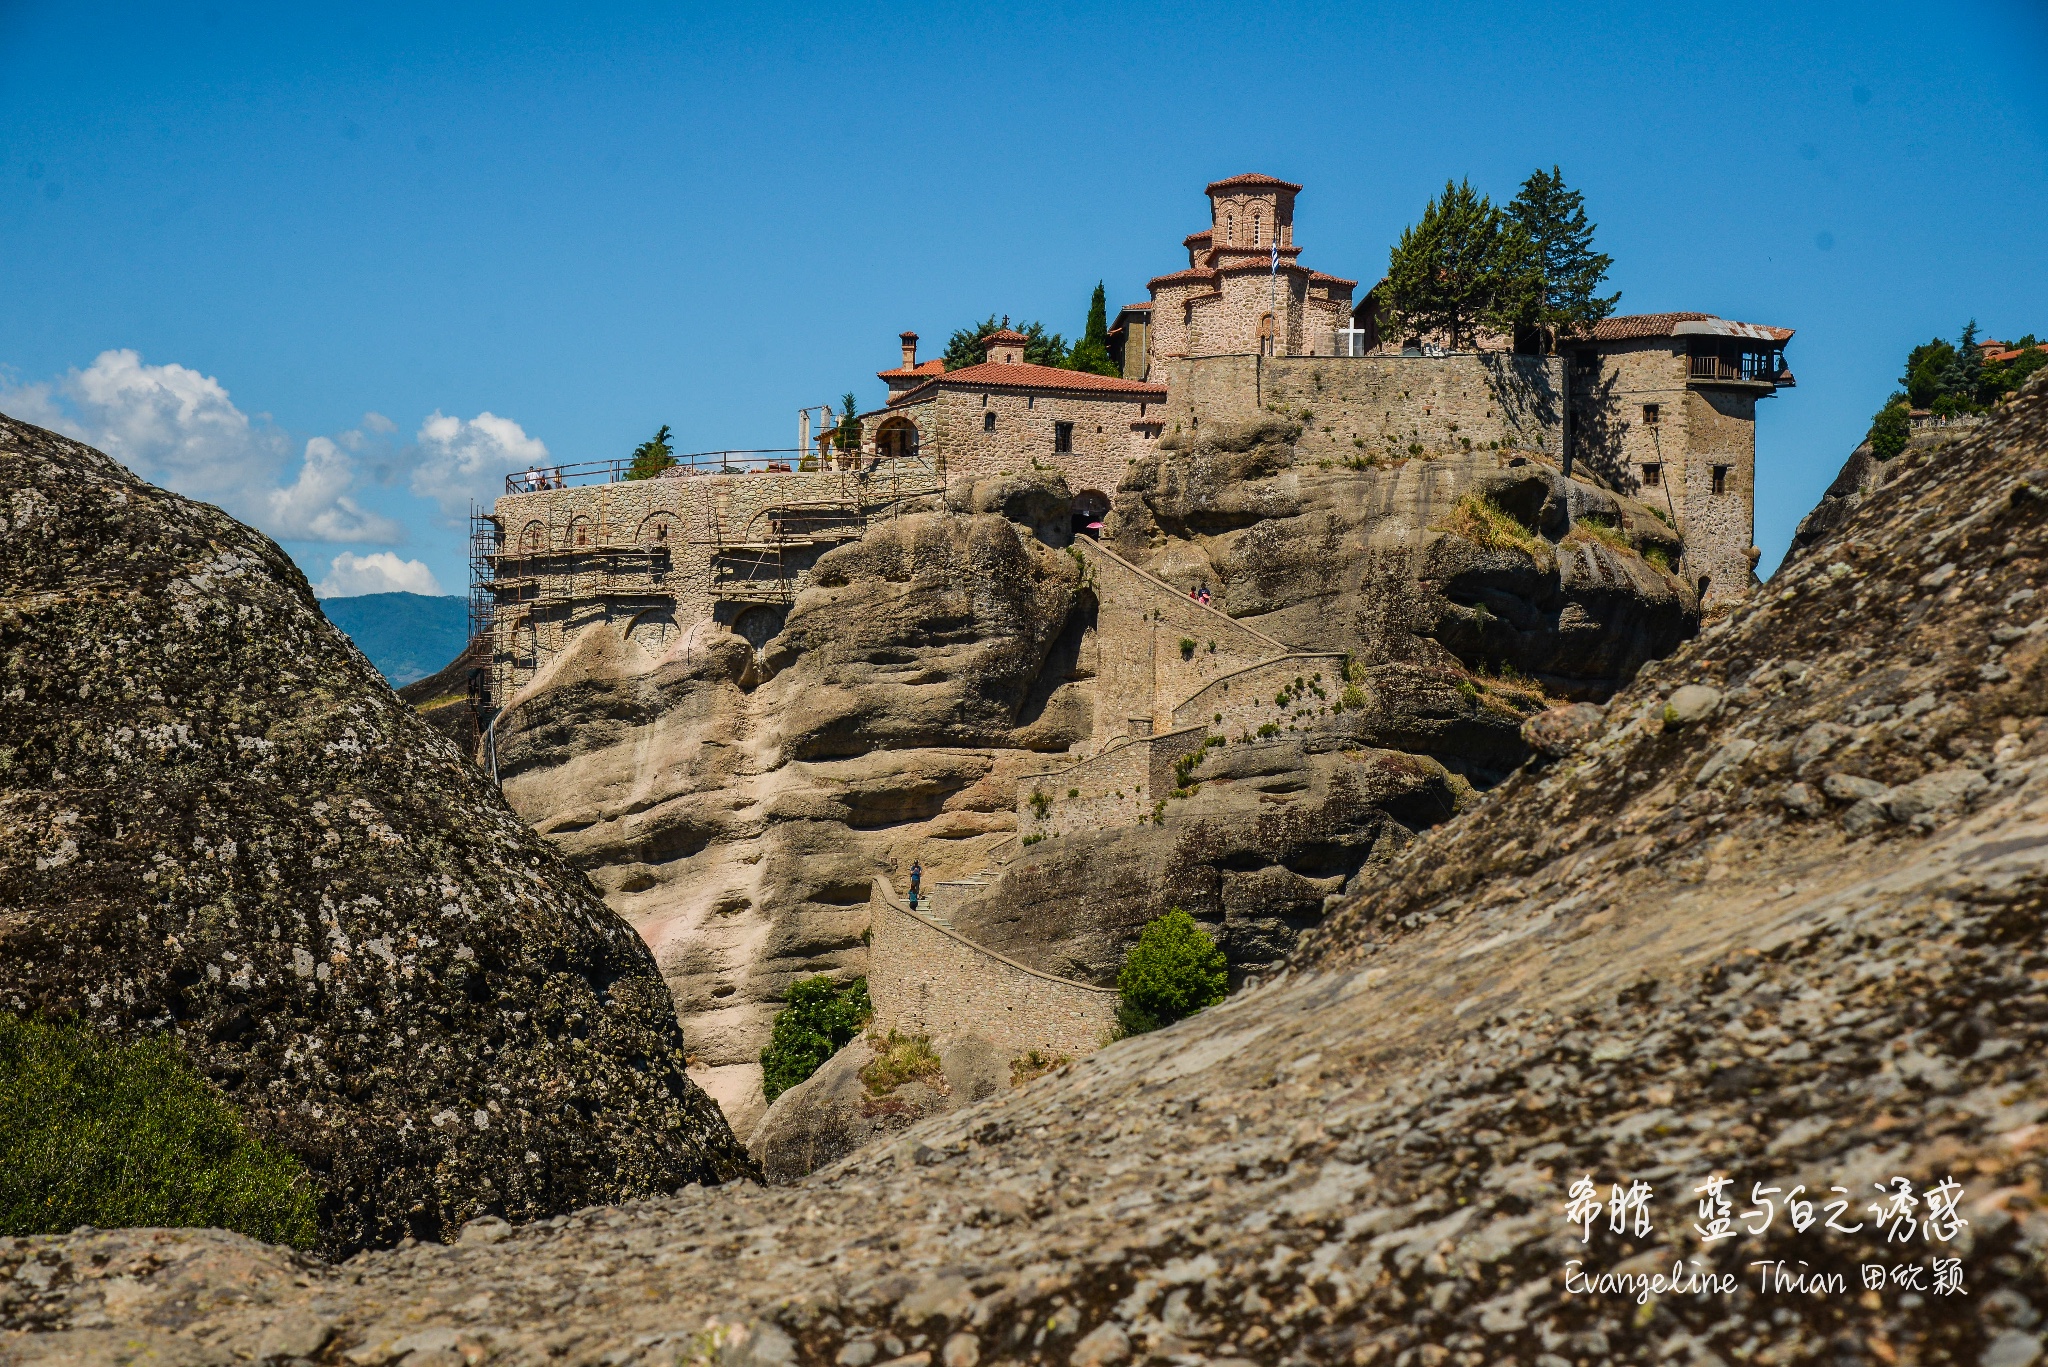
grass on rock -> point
(97, 1132)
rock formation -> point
(1861, 474)
(217, 821)
(1777, 921)
(735, 804)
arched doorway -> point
(896, 436)
(1090, 507)
(759, 624)
(533, 537)
(656, 531)
(653, 630)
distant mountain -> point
(406, 635)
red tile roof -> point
(1634, 325)
(934, 366)
(1177, 277)
(996, 375)
(1203, 236)
(1009, 336)
(1247, 181)
(1145, 307)
(1332, 279)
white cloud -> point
(379, 572)
(464, 460)
(179, 428)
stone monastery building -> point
(1659, 406)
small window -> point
(988, 421)
(1653, 475)
(1062, 437)
(1141, 410)
(1255, 230)
(1720, 479)
(1649, 415)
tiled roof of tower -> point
(1192, 238)
(1195, 273)
(1333, 279)
(1245, 182)
(996, 375)
(1010, 335)
(1631, 326)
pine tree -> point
(1464, 266)
(1091, 353)
(965, 347)
(1965, 369)
(1555, 220)
(650, 458)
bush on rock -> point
(817, 1019)
(1173, 971)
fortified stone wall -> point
(1720, 526)
(1238, 704)
(1141, 671)
(925, 980)
(1379, 406)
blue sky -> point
(336, 270)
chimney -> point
(909, 350)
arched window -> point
(534, 537)
(988, 421)
(579, 532)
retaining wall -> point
(1114, 788)
(927, 980)
(1244, 699)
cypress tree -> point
(1091, 353)
(1554, 218)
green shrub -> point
(1187, 647)
(1031, 840)
(1173, 971)
(96, 1132)
(1890, 431)
(817, 1019)
(1040, 803)
(1661, 557)
(1270, 728)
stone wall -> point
(1109, 432)
(1694, 428)
(1353, 407)
(644, 554)
(1141, 621)
(1238, 704)
(1114, 788)
(927, 980)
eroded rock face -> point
(735, 809)
(218, 822)
(1644, 961)
(1359, 559)
(1267, 842)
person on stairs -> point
(916, 877)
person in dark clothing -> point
(916, 877)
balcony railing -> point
(536, 478)
(1755, 367)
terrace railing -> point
(536, 478)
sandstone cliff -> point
(217, 821)
(1778, 921)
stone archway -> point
(1090, 507)
(657, 530)
(653, 630)
(760, 624)
(897, 436)
(533, 536)
(582, 533)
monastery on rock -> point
(1658, 406)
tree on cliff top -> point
(650, 458)
(965, 347)
(1465, 266)
(1554, 219)
(1091, 353)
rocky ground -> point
(735, 809)
(1776, 919)
(217, 822)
